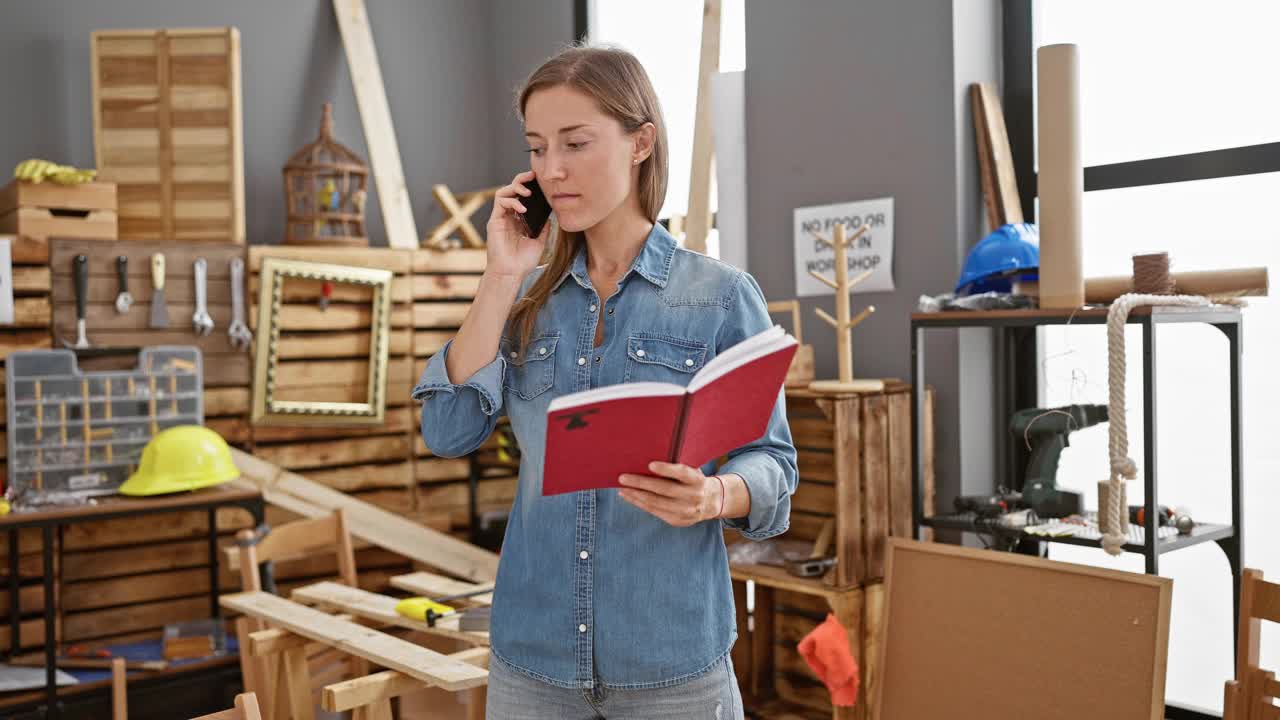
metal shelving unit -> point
(1015, 332)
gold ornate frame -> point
(267, 410)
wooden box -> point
(47, 209)
(854, 453)
(775, 679)
(167, 129)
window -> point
(1180, 130)
(666, 36)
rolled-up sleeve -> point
(768, 465)
(458, 417)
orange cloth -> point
(826, 649)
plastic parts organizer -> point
(76, 434)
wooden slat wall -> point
(30, 331)
(168, 130)
(444, 283)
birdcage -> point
(325, 187)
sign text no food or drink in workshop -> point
(872, 251)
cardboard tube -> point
(1236, 282)
(1061, 177)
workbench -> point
(52, 520)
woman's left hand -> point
(680, 495)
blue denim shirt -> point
(590, 588)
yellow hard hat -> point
(185, 457)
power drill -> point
(1047, 429)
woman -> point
(609, 603)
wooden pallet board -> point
(359, 640)
(168, 131)
(336, 597)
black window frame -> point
(1018, 35)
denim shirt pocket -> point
(531, 375)
(662, 358)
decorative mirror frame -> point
(267, 410)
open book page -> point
(614, 392)
(590, 444)
(756, 346)
(735, 407)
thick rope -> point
(1113, 515)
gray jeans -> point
(713, 695)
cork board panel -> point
(999, 634)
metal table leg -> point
(50, 635)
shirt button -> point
(592, 308)
(582, 628)
(688, 362)
(597, 358)
(582, 361)
(542, 351)
(610, 311)
(639, 353)
(584, 554)
(513, 356)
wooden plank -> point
(377, 647)
(363, 691)
(102, 290)
(31, 280)
(78, 596)
(319, 373)
(375, 116)
(399, 262)
(336, 317)
(899, 465)
(445, 287)
(439, 314)
(398, 419)
(235, 430)
(24, 340)
(762, 641)
(365, 521)
(463, 260)
(429, 342)
(324, 454)
(31, 312)
(999, 182)
(98, 534)
(698, 222)
(316, 345)
(336, 597)
(816, 497)
(226, 401)
(30, 634)
(159, 556)
(82, 626)
(428, 584)
(851, 561)
(812, 433)
(875, 483)
(398, 393)
(365, 477)
(819, 466)
(441, 469)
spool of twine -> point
(1151, 274)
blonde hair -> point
(621, 87)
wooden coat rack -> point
(842, 323)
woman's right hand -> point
(510, 252)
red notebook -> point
(596, 435)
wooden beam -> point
(434, 586)
(357, 692)
(361, 603)
(436, 549)
(698, 223)
(377, 647)
(375, 115)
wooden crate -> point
(167, 129)
(774, 677)
(47, 209)
(854, 455)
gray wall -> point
(853, 100)
(439, 61)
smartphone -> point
(537, 209)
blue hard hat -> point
(1011, 252)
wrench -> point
(239, 332)
(200, 320)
